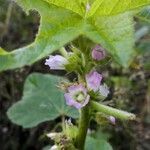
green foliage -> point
(99, 7)
(73, 5)
(41, 101)
(118, 33)
(96, 144)
(62, 21)
(143, 47)
(3, 52)
(144, 15)
(56, 29)
(113, 7)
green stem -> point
(112, 111)
(83, 127)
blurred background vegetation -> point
(130, 88)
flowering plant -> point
(86, 93)
(87, 29)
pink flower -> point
(77, 96)
(93, 80)
(98, 53)
(57, 62)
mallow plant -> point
(87, 34)
(86, 94)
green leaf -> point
(113, 7)
(97, 144)
(3, 52)
(144, 15)
(73, 5)
(41, 101)
(116, 34)
(58, 27)
(61, 23)
(143, 48)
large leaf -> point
(118, 34)
(100, 7)
(41, 101)
(113, 7)
(56, 29)
(61, 23)
(97, 144)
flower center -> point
(79, 97)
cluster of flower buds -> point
(63, 140)
(78, 95)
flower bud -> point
(57, 62)
(112, 119)
(98, 53)
(93, 80)
(103, 89)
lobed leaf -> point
(41, 101)
(61, 23)
(57, 27)
(116, 35)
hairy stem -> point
(83, 127)
(112, 111)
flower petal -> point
(69, 99)
(93, 80)
(77, 88)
